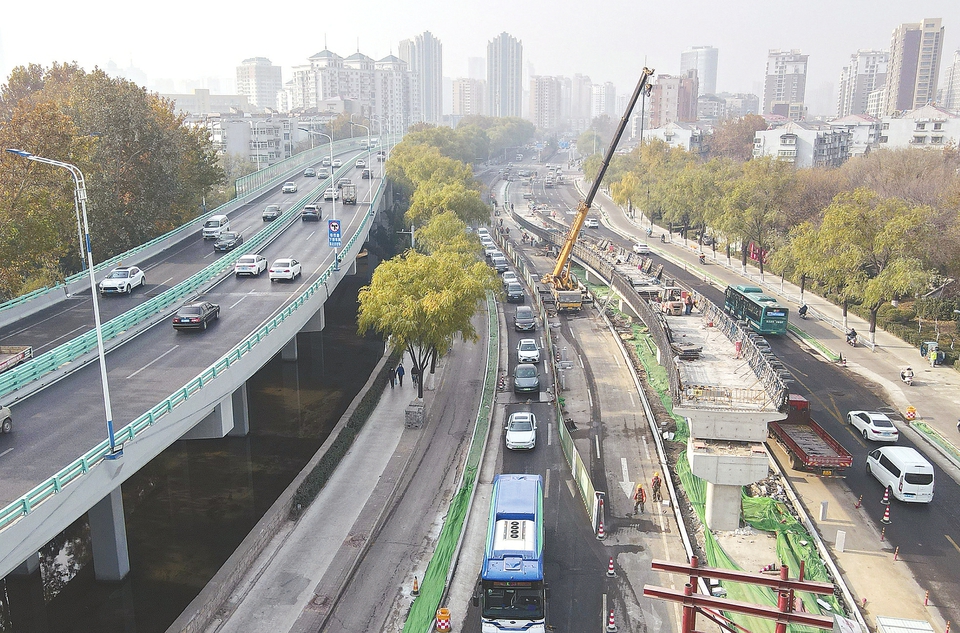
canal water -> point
(188, 510)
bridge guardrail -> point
(91, 458)
(303, 158)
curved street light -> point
(80, 204)
(332, 168)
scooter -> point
(852, 339)
(803, 311)
(907, 377)
(702, 258)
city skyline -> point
(554, 43)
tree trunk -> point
(874, 310)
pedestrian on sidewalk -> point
(655, 487)
(400, 373)
(639, 498)
(415, 375)
(393, 378)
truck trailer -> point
(808, 444)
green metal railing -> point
(91, 458)
(290, 164)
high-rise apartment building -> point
(674, 99)
(468, 97)
(866, 72)
(703, 59)
(740, 104)
(504, 72)
(424, 56)
(950, 93)
(786, 82)
(259, 81)
(581, 91)
(603, 100)
(384, 89)
(914, 66)
(546, 98)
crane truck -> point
(566, 290)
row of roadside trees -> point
(881, 227)
(427, 296)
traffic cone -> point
(416, 588)
(611, 623)
(610, 571)
(886, 496)
(443, 619)
(600, 533)
(886, 516)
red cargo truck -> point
(808, 445)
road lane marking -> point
(580, 358)
(952, 542)
(241, 299)
(312, 233)
(603, 614)
(153, 361)
(596, 439)
(10, 450)
(632, 403)
(646, 448)
(617, 359)
(549, 434)
(546, 486)
(590, 397)
(165, 281)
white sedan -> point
(337, 162)
(331, 194)
(122, 279)
(528, 351)
(250, 265)
(289, 187)
(521, 431)
(286, 268)
(641, 249)
(873, 426)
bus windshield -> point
(513, 603)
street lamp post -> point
(370, 192)
(80, 204)
(256, 142)
(329, 138)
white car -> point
(337, 162)
(286, 268)
(122, 279)
(528, 351)
(510, 277)
(873, 426)
(521, 431)
(360, 163)
(641, 249)
(289, 187)
(591, 223)
(331, 194)
(250, 265)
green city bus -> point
(762, 312)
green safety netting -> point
(761, 513)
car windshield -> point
(119, 274)
(514, 288)
(526, 372)
(212, 224)
(190, 311)
(228, 236)
(524, 313)
(521, 425)
(273, 207)
(528, 346)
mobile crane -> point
(564, 287)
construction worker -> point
(655, 487)
(639, 498)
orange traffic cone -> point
(886, 496)
(610, 571)
(886, 516)
(416, 588)
(611, 623)
(600, 533)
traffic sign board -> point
(333, 233)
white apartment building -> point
(711, 107)
(950, 93)
(546, 98)
(603, 100)
(468, 97)
(703, 59)
(263, 141)
(385, 90)
(504, 72)
(259, 81)
(866, 73)
(804, 144)
(740, 104)
(686, 136)
(864, 132)
(785, 85)
(202, 102)
(914, 66)
(424, 56)
(928, 126)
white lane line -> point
(9, 450)
(49, 343)
(210, 255)
(603, 614)
(590, 397)
(166, 281)
(624, 469)
(596, 439)
(546, 483)
(153, 361)
(617, 358)
(241, 299)
(646, 448)
(632, 403)
(312, 233)
(580, 358)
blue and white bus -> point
(511, 589)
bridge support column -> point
(316, 322)
(108, 534)
(352, 268)
(28, 566)
(723, 507)
(289, 351)
(241, 412)
(217, 424)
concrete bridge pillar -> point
(220, 421)
(108, 534)
(241, 412)
(289, 351)
(316, 322)
(28, 566)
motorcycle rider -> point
(907, 375)
(803, 311)
(852, 337)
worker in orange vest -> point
(639, 498)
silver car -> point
(526, 378)
(521, 431)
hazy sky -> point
(607, 40)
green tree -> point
(422, 302)
(446, 233)
(434, 197)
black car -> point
(310, 212)
(196, 316)
(272, 212)
(365, 174)
(228, 241)
(310, 172)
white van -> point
(214, 226)
(901, 468)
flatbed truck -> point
(13, 355)
(808, 444)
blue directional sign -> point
(333, 231)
